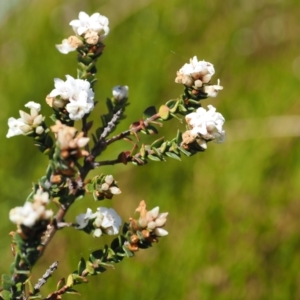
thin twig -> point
(45, 277)
(111, 124)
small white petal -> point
(115, 190)
(160, 232)
(109, 179)
(97, 232)
(14, 127)
(32, 104)
(65, 47)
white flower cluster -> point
(28, 122)
(104, 220)
(198, 69)
(68, 45)
(108, 185)
(75, 95)
(92, 28)
(206, 125)
(197, 73)
(32, 212)
(69, 141)
(120, 92)
(152, 220)
(95, 22)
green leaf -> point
(29, 286)
(70, 280)
(154, 158)
(164, 112)
(174, 108)
(81, 266)
(173, 155)
(7, 282)
(95, 140)
(174, 148)
(163, 147)
(182, 109)
(157, 143)
(60, 283)
(96, 255)
(142, 151)
(53, 118)
(150, 130)
(90, 187)
(72, 291)
(149, 112)
(158, 153)
(185, 152)
(6, 295)
(90, 268)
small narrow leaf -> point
(157, 143)
(174, 108)
(154, 158)
(185, 152)
(150, 130)
(60, 283)
(173, 155)
(149, 112)
(70, 281)
(81, 266)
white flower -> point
(195, 73)
(105, 220)
(198, 69)
(30, 214)
(41, 196)
(83, 219)
(64, 89)
(77, 109)
(15, 127)
(120, 92)
(213, 90)
(111, 220)
(65, 47)
(95, 22)
(208, 125)
(78, 93)
(27, 122)
(33, 105)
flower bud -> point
(134, 239)
(120, 92)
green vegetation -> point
(235, 209)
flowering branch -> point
(73, 154)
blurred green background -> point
(234, 223)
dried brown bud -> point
(56, 179)
(132, 247)
(134, 239)
(145, 233)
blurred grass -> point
(235, 209)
